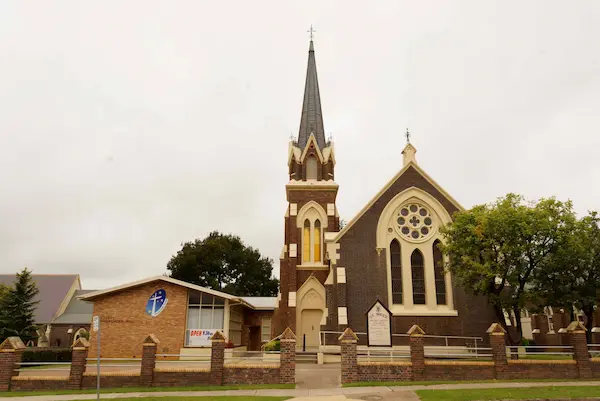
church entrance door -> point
(311, 326)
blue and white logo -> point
(157, 303)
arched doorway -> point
(310, 312)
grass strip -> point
(523, 393)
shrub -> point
(274, 345)
(46, 355)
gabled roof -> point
(54, 288)
(95, 294)
(387, 186)
(78, 311)
(311, 121)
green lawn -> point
(149, 390)
(526, 393)
(431, 383)
(208, 398)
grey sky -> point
(127, 127)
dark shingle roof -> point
(78, 311)
(311, 121)
(53, 290)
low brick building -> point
(184, 316)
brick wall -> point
(41, 383)
(181, 377)
(458, 370)
(124, 321)
(420, 368)
(60, 337)
(381, 371)
(111, 380)
(149, 376)
(532, 369)
(251, 375)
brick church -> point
(330, 276)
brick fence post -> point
(217, 359)
(287, 364)
(581, 353)
(11, 351)
(348, 341)
(78, 363)
(498, 344)
(417, 351)
(149, 347)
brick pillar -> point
(149, 347)
(498, 344)
(348, 342)
(11, 351)
(217, 359)
(581, 354)
(287, 364)
(417, 351)
(78, 363)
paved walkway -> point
(396, 393)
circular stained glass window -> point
(415, 221)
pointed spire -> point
(312, 117)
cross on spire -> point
(311, 32)
(407, 136)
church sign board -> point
(379, 327)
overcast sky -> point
(128, 127)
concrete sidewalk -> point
(331, 394)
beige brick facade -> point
(125, 323)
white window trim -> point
(384, 238)
(312, 212)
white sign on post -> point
(379, 328)
(96, 323)
(200, 337)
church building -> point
(331, 276)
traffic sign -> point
(96, 323)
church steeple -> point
(311, 121)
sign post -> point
(96, 327)
(379, 328)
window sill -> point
(398, 310)
(312, 267)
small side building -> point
(182, 315)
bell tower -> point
(310, 215)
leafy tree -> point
(496, 249)
(18, 308)
(573, 279)
(222, 262)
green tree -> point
(496, 249)
(222, 262)
(573, 279)
(18, 308)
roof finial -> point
(407, 136)
(311, 32)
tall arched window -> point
(317, 241)
(418, 277)
(306, 242)
(438, 268)
(396, 269)
(311, 168)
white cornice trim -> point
(312, 139)
(386, 187)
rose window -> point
(415, 221)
